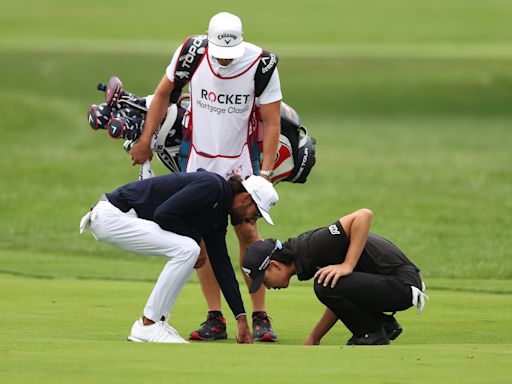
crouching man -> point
(177, 216)
(357, 275)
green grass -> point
(410, 105)
(75, 330)
(436, 171)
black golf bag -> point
(123, 115)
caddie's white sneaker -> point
(159, 332)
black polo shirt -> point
(195, 205)
(325, 246)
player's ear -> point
(247, 198)
(273, 264)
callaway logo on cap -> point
(225, 36)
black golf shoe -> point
(392, 327)
(214, 328)
(261, 328)
(375, 338)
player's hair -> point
(235, 183)
(283, 255)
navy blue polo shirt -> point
(195, 205)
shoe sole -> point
(197, 337)
(381, 342)
(135, 340)
(267, 338)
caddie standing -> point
(224, 75)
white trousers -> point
(130, 233)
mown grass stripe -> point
(292, 49)
(431, 287)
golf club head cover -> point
(98, 116)
(113, 92)
(125, 128)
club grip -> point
(146, 172)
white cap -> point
(263, 193)
(225, 36)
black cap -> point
(256, 261)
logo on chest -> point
(224, 103)
(224, 98)
(334, 230)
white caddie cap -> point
(263, 193)
(225, 36)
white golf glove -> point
(419, 298)
(85, 223)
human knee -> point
(201, 260)
(324, 294)
(188, 251)
(191, 249)
(100, 231)
(319, 289)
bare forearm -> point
(356, 226)
(359, 230)
(270, 143)
(271, 116)
(141, 151)
(323, 326)
(154, 117)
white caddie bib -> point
(221, 109)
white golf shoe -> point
(159, 332)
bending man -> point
(180, 216)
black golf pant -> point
(360, 299)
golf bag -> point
(296, 149)
(123, 115)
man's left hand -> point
(244, 334)
(140, 152)
(332, 273)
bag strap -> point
(190, 56)
(266, 67)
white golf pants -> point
(130, 233)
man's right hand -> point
(244, 334)
(141, 151)
(311, 340)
